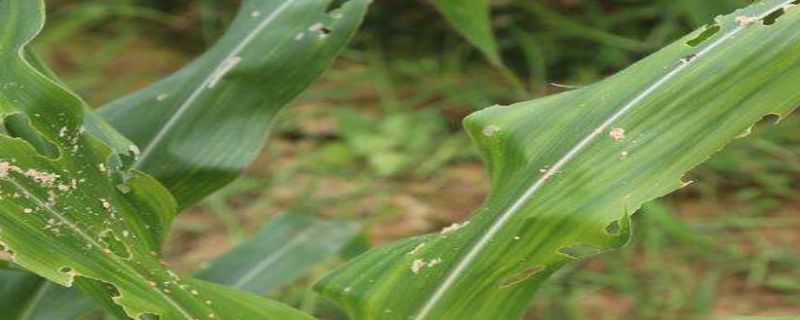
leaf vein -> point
(509, 213)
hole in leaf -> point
(113, 291)
(580, 251)
(520, 277)
(18, 126)
(767, 120)
(335, 6)
(65, 270)
(148, 316)
(709, 32)
(772, 118)
(772, 17)
(613, 228)
(98, 288)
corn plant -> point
(92, 193)
(86, 198)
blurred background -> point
(378, 138)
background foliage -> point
(725, 246)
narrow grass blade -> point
(472, 19)
(280, 253)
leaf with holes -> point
(71, 214)
(567, 169)
(198, 128)
(279, 254)
(250, 40)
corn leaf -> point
(25, 296)
(322, 52)
(72, 215)
(472, 19)
(280, 253)
(198, 128)
(19, 291)
(284, 250)
(567, 170)
(92, 121)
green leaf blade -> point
(566, 170)
(472, 19)
(76, 215)
(23, 286)
(25, 296)
(198, 128)
(280, 253)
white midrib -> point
(275, 256)
(149, 148)
(41, 203)
(42, 289)
(509, 213)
